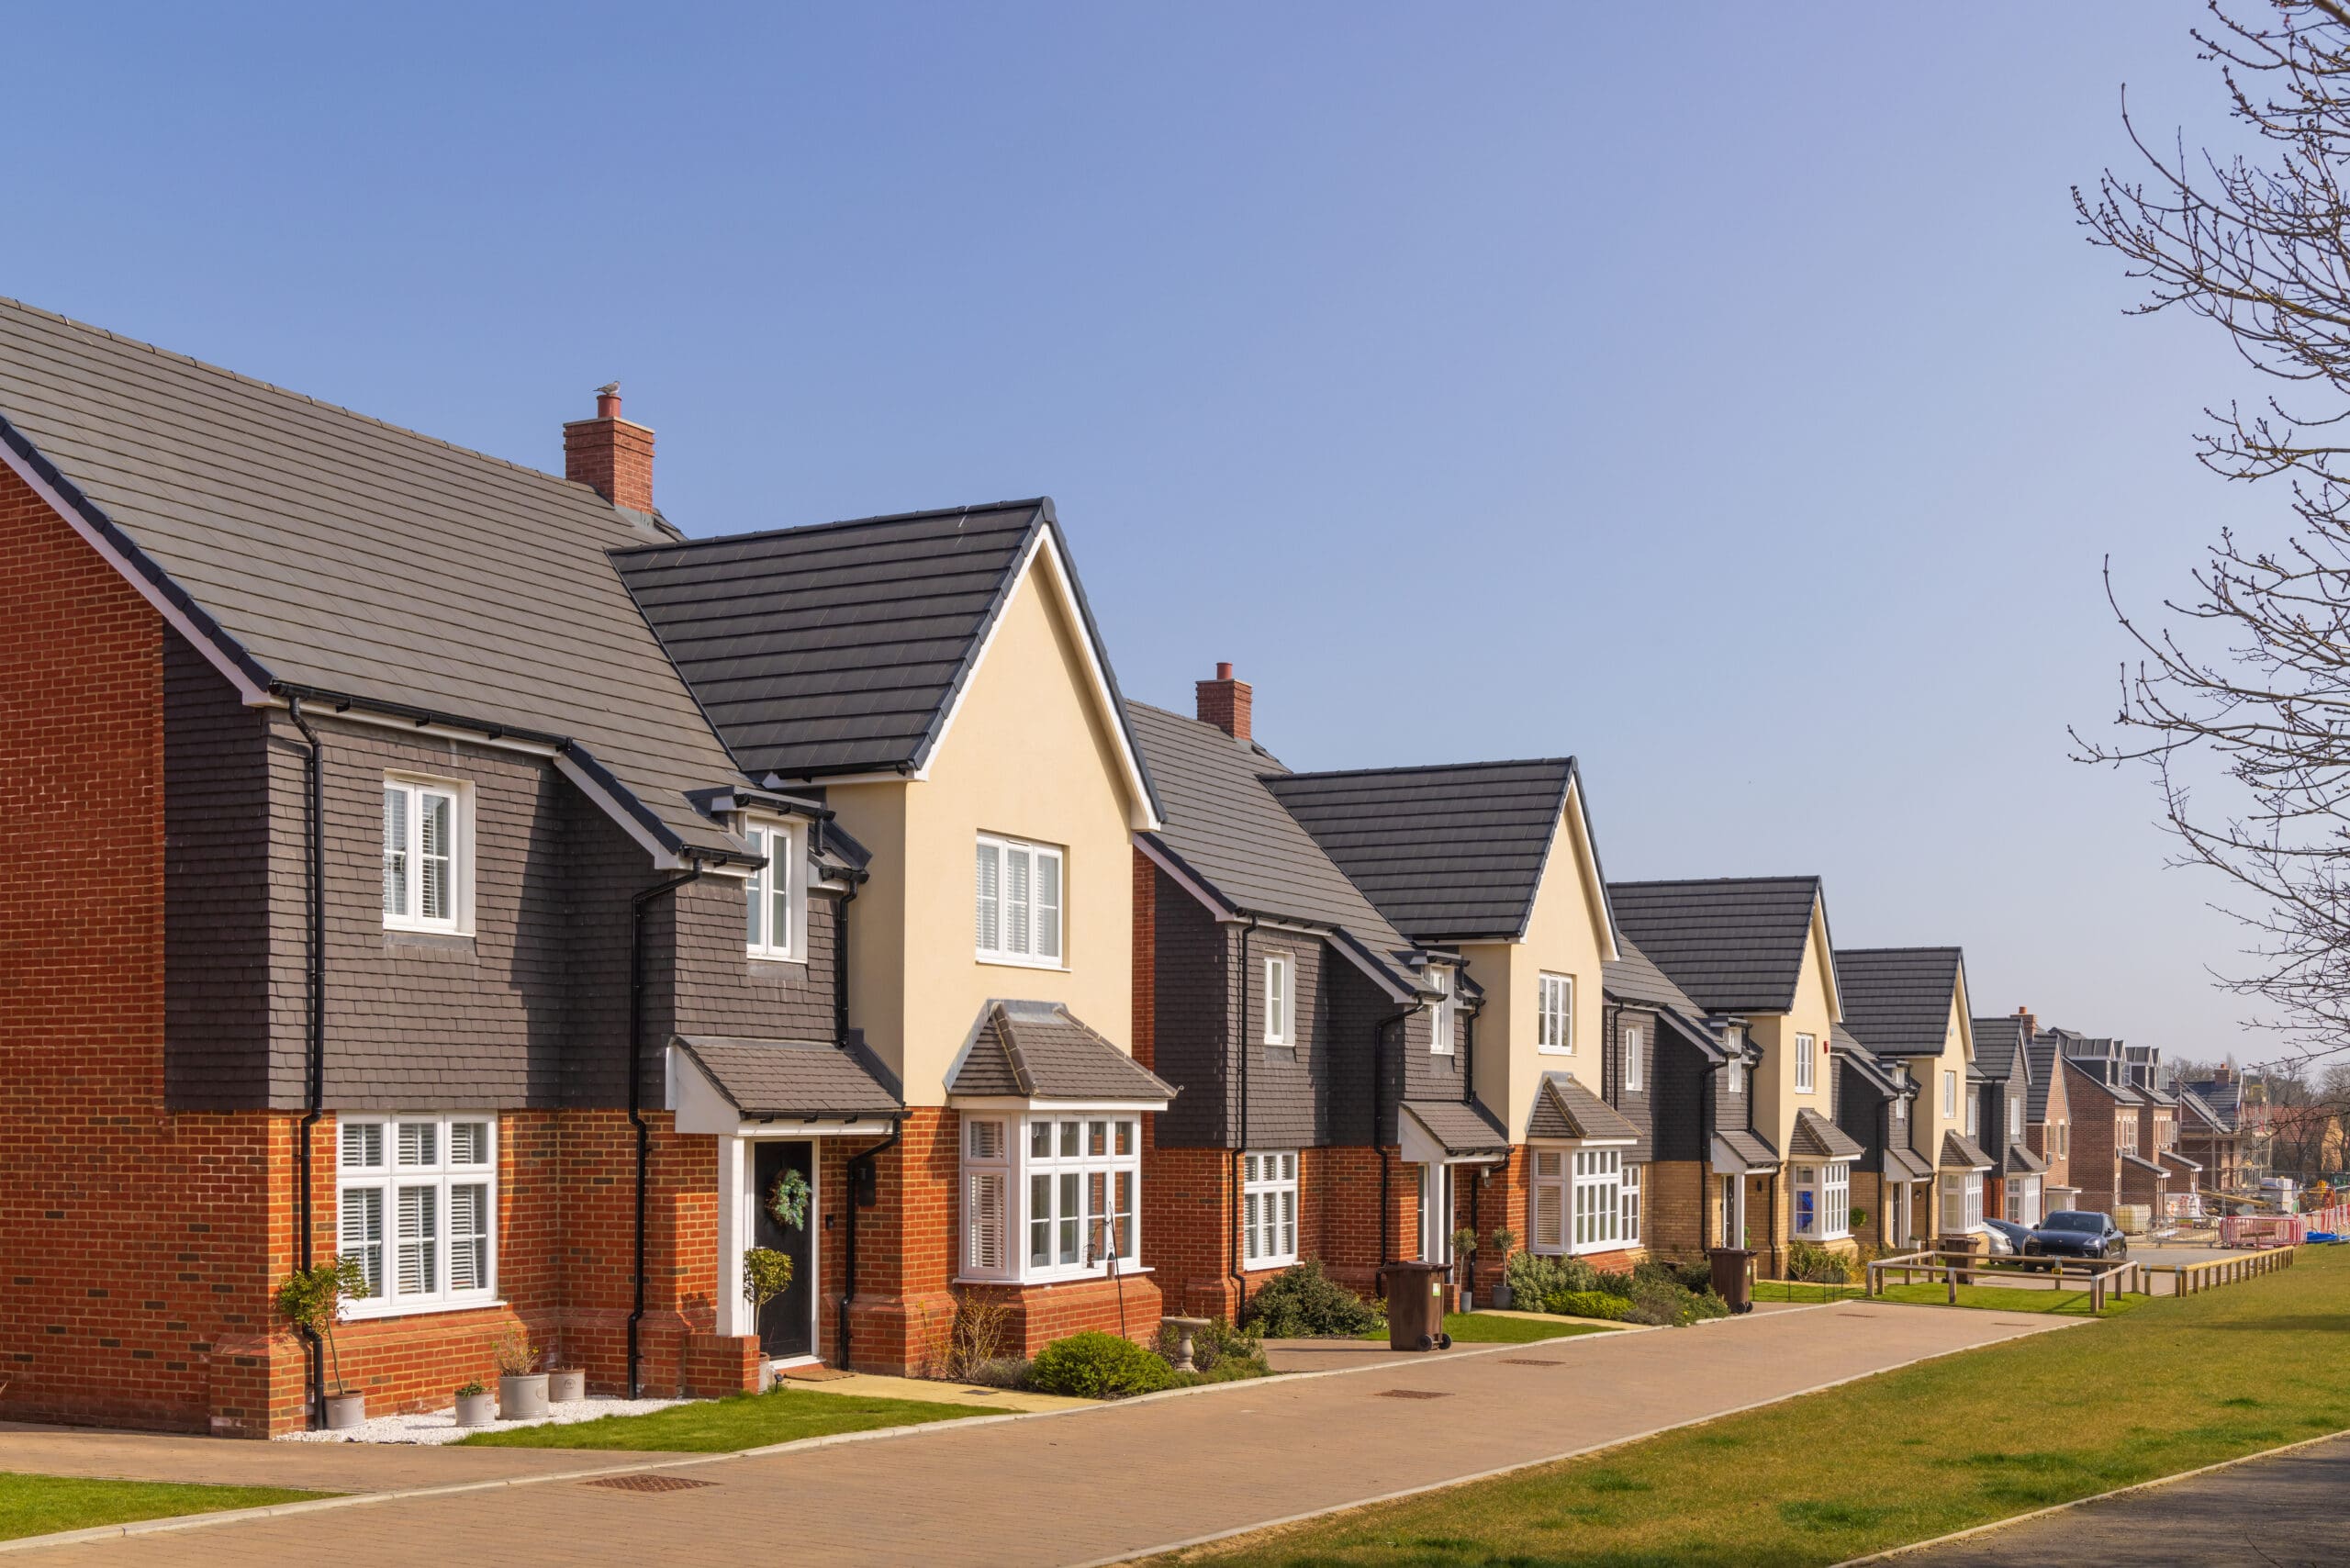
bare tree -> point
(2250, 681)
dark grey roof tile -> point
(1736, 944)
(1039, 1050)
(794, 1078)
(1898, 1000)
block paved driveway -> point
(1059, 1489)
(2284, 1512)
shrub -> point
(1588, 1303)
(1696, 1276)
(1533, 1277)
(1303, 1303)
(1219, 1351)
(1004, 1371)
(1094, 1365)
(1667, 1305)
(1817, 1265)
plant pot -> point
(1503, 1296)
(522, 1398)
(476, 1409)
(567, 1385)
(346, 1410)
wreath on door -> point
(787, 1200)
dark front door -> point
(787, 1325)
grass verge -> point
(2175, 1384)
(741, 1421)
(44, 1504)
(1492, 1329)
(1994, 1298)
(1804, 1292)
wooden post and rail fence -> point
(2104, 1278)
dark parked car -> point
(2079, 1233)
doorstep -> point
(933, 1390)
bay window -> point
(1050, 1196)
(1632, 1231)
(424, 867)
(1962, 1194)
(1018, 910)
(415, 1206)
(1584, 1200)
(1269, 1209)
(1823, 1201)
(1598, 1199)
(1546, 1204)
(776, 901)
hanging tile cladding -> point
(1288, 1085)
(216, 888)
(1427, 1075)
(530, 1007)
(1360, 1028)
(1191, 1020)
(1634, 1105)
(1677, 1093)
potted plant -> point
(521, 1392)
(566, 1384)
(474, 1406)
(1464, 1253)
(1505, 1243)
(312, 1299)
(766, 1274)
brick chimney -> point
(1225, 703)
(2031, 1024)
(610, 456)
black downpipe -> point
(1379, 1116)
(638, 903)
(868, 1158)
(1469, 1097)
(313, 1072)
(1240, 1144)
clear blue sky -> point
(1721, 394)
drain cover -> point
(1521, 1361)
(650, 1482)
(1413, 1394)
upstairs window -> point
(1277, 1003)
(2015, 1118)
(1554, 1014)
(1440, 1030)
(1900, 1110)
(1635, 1067)
(1803, 1071)
(423, 855)
(776, 901)
(1950, 1095)
(415, 1206)
(1019, 905)
(1974, 1117)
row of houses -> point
(421, 858)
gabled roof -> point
(1735, 944)
(1905, 1164)
(1564, 1109)
(2016, 1160)
(309, 550)
(1898, 1000)
(1817, 1138)
(2224, 1096)
(1461, 1128)
(1744, 1148)
(2095, 1069)
(1871, 1071)
(2042, 1053)
(1038, 1051)
(2001, 1045)
(1222, 831)
(844, 647)
(794, 1078)
(1451, 853)
(1632, 980)
(2194, 1104)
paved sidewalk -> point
(1126, 1479)
(2270, 1513)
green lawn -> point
(1959, 1441)
(1492, 1329)
(742, 1421)
(1997, 1298)
(1803, 1291)
(42, 1505)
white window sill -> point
(1265, 1265)
(357, 1313)
(1073, 1277)
(425, 928)
(1556, 1051)
(759, 957)
(1013, 961)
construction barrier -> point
(2282, 1230)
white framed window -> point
(1950, 1095)
(1598, 1200)
(1733, 1215)
(2125, 1134)
(1734, 1076)
(776, 901)
(1050, 1196)
(1900, 1110)
(1276, 1000)
(1019, 911)
(1554, 1014)
(416, 1203)
(2015, 1118)
(1632, 1231)
(1440, 1030)
(1961, 1195)
(1546, 1201)
(1823, 1201)
(1803, 1071)
(1635, 1058)
(1973, 1116)
(2064, 1140)
(424, 855)
(1269, 1209)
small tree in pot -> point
(766, 1274)
(1464, 1259)
(312, 1299)
(521, 1392)
(1505, 1243)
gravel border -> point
(436, 1426)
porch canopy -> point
(1451, 1132)
(1742, 1153)
(749, 1088)
(1903, 1164)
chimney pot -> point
(1225, 702)
(608, 454)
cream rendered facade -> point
(1032, 751)
(1927, 1121)
(1567, 933)
(1773, 1081)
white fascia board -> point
(253, 695)
(1417, 1145)
(663, 857)
(1013, 1102)
(1097, 681)
(1587, 858)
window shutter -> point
(360, 1221)
(985, 1138)
(780, 870)
(469, 1236)
(363, 1145)
(985, 1201)
(990, 911)
(438, 824)
(395, 851)
(419, 1226)
(756, 890)
(419, 1143)
(1016, 867)
(1048, 905)
(1549, 1229)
